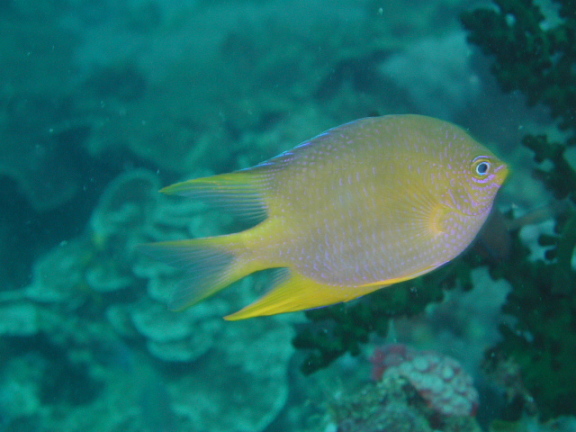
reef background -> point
(103, 102)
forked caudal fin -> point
(211, 264)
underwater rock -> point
(18, 319)
(58, 275)
(20, 382)
(441, 66)
(43, 169)
(39, 132)
(220, 78)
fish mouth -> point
(501, 173)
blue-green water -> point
(102, 103)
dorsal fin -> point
(241, 193)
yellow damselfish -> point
(362, 206)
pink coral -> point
(440, 380)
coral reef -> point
(90, 89)
(440, 380)
(393, 405)
(95, 315)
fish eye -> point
(481, 166)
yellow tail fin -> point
(210, 263)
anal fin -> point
(297, 292)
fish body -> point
(362, 206)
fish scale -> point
(360, 207)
